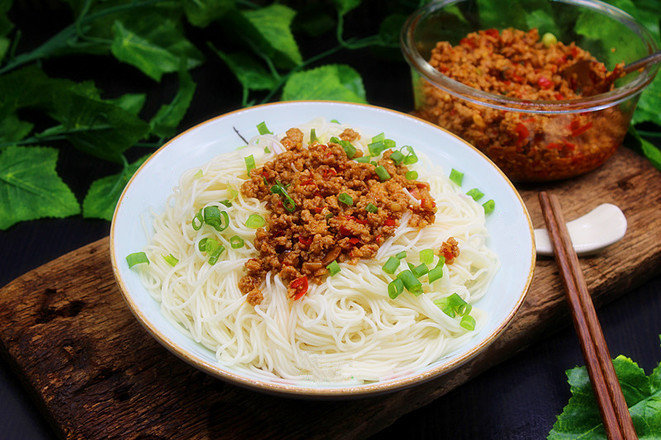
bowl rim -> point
(290, 390)
(477, 96)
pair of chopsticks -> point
(613, 407)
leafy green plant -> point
(260, 43)
(581, 417)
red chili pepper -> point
(574, 51)
(577, 130)
(559, 96)
(517, 78)
(570, 145)
(378, 237)
(544, 82)
(468, 42)
(344, 230)
(554, 145)
(306, 241)
(307, 182)
(357, 220)
(492, 33)
(390, 221)
(353, 240)
(444, 69)
(318, 209)
(522, 133)
(300, 285)
(329, 172)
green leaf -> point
(336, 82)
(168, 117)
(130, 102)
(389, 29)
(5, 24)
(30, 187)
(344, 6)
(13, 129)
(104, 193)
(154, 44)
(581, 417)
(649, 104)
(202, 12)
(645, 147)
(251, 74)
(269, 30)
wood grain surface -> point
(97, 374)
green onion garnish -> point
(410, 282)
(262, 128)
(363, 159)
(212, 217)
(136, 258)
(427, 256)
(420, 270)
(226, 203)
(287, 201)
(255, 221)
(445, 307)
(391, 265)
(171, 260)
(411, 157)
(379, 137)
(348, 148)
(335, 140)
(475, 193)
(468, 322)
(401, 255)
(202, 245)
(489, 206)
(371, 208)
(397, 157)
(345, 198)
(382, 173)
(389, 143)
(456, 176)
(335, 121)
(435, 274)
(411, 175)
(250, 162)
(395, 287)
(266, 150)
(213, 257)
(198, 174)
(198, 220)
(236, 242)
(313, 136)
(211, 246)
(333, 268)
(376, 148)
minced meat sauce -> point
(299, 242)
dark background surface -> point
(519, 399)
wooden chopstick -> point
(613, 407)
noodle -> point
(345, 329)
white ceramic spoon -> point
(594, 231)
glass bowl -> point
(530, 140)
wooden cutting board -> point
(98, 374)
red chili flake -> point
(444, 69)
(570, 145)
(344, 231)
(300, 285)
(522, 132)
(559, 96)
(554, 145)
(517, 78)
(377, 238)
(329, 172)
(353, 240)
(577, 129)
(561, 60)
(492, 33)
(308, 181)
(390, 221)
(574, 51)
(544, 82)
(306, 241)
(357, 220)
(318, 209)
(468, 42)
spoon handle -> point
(650, 59)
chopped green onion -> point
(335, 121)
(287, 201)
(233, 193)
(391, 265)
(363, 159)
(489, 206)
(171, 260)
(401, 255)
(382, 173)
(420, 270)
(226, 203)
(427, 256)
(397, 157)
(445, 307)
(410, 282)
(411, 175)
(376, 148)
(375, 163)
(548, 39)
(198, 174)
(200, 220)
(389, 143)
(441, 261)
(345, 198)
(333, 268)
(468, 322)
(211, 246)
(371, 208)
(435, 274)
(255, 221)
(456, 176)
(348, 148)
(335, 140)
(136, 258)
(216, 218)
(464, 309)
(236, 242)
(250, 162)
(379, 137)
(475, 193)
(213, 258)
(411, 157)
(313, 136)
(266, 150)
(262, 128)
(395, 288)
(202, 245)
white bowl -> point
(510, 228)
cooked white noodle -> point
(345, 330)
